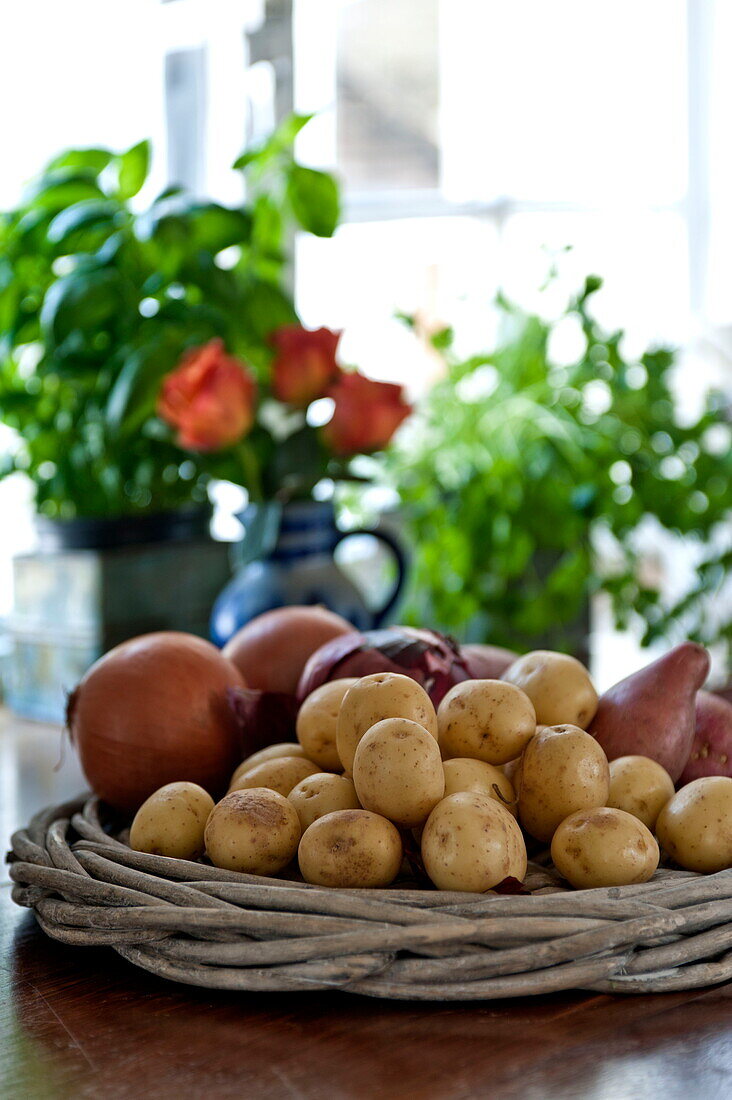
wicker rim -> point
(196, 924)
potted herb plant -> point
(98, 301)
(524, 481)
(144, 352)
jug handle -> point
(401, 563)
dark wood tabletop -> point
(80, 1022)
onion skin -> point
(153, 711)
(433, 660)
(271, 650)
(488, 662)
(264, 718)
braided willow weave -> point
(193, 923)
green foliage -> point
(518, 470)
(314, 199)
(98, 302)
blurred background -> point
(478, 147)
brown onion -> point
(272, 650)
(434, 660)
(152, 711)
(488, 662)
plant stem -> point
(250, 466)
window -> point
(519, 128)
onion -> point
(434, 660)
(152, 711)
(264, 718)
(271, 650)
(488, 662)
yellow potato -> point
(563, 769)
(280, 774)
(604, 847)
(171, 821)
(470, 842)
(397, 771)
(317, 720)
(256, 831)
(485, 719)
(640, 786)
(321, 794)
(272, 752)
(476, 775)
(374, 698)
(558, 685)
(695, 827)
(350, 848)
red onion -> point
(264, 717)
(434, 660)
(152, 711)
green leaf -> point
(170, 192)
(313, 196)
(278, 142)
(217, 227)
(443, 338)
(70, 227)
(264, 308)
(134, 166)
(60, 188)
(82, 301)
(134, 395)
(94, 159)
(267, 226)
(298, 463)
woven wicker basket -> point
(193, 923)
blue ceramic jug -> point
(285, 558)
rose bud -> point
(304, 364)
(208, 398)
(366, 414)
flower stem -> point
(250, 466)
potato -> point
(476, 775)
(640, 786)
(350, 848)
(374, 698)
(604, 847)
(563, 770)
(470, 842)
(272, 752)
(321, 794)
(695, 827)
(317, 720)
(485, 719)
(254, 830)
(397, 771)
(281, 774)
(558, 685)
(171, 821)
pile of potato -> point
(500, 761)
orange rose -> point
(304, 365)
(366, 414)
(208, 398)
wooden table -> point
(82, 1022)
